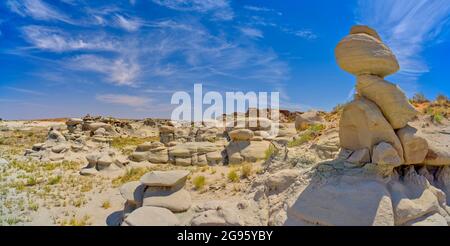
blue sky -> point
(126, 58)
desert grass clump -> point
(438, 118)
(199, 182)
(84, 221)
(233, 176)
(419, 98)
(54, 180)
(247, 170)
(106, 204)
(271, 151)
(441, 99)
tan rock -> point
(133, 192)
(360, 156)
(362, 125)
(415, 148)
(358, 29)
(388, 97)
(161, 156)
(364, 54)
(151, 216)
(178, 201)
(385, 154)
(241, 135)
(139, 156)
(164, 178)
(437, 156)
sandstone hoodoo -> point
(380, 107)
(155, 198)
(388, 172)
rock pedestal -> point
(380, 107)
(155, 198)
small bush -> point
(441, 99)
(31, 181)
(247, 170)
(233, 176)
(419, 98)
(106, 204)
(199, 182)
(438, 118)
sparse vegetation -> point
(419, 98)
(106, 204)
(54, 180)
(132, 174)
(125, 145)
(309, 134)
(199, 182)
(272, 150)
(438, 118)
(441, 99)
(247, 170)
(84, 221)
(233, 176)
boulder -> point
(345, 201)
(178, 201)
(281, 180)
(167, 129)
(246, 151)
(433, 220)
(164, 178)
(303, 121)
(139, 156)
(183, 161)
(437, 156)
(74, 121)
(96, 125)
(362, 125)
(415, 148)
(361, 53)
(216, 213)
(390, 99)
(241, 135)
(133, 192)
(160, 156)
(151, 216)
(385, 154)
(360, 156)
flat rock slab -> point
(151, 216)
(178, 201)
(345, 201)
(164, 178)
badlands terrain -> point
(381, 159)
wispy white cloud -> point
(408, 27)
(37, 9)
(220, 9)
(251, 32)
(53, 39)
(26, 91)
(306, 34)
(123, 99)
(128, 24)
(119, 71)
(261, 9)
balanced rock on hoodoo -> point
(362, 52)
